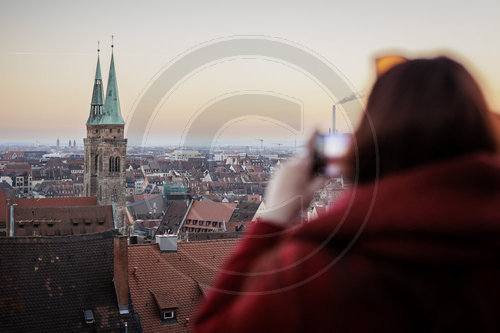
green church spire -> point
(112, 114)
(96, 105)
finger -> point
(311, 141)
(317, 183)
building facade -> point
(106, 146)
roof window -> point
(89, 316)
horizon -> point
(49, 65)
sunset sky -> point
(48, 57)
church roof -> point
(112, 113)
(109, 112)
(97, 99)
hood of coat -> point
(444, 212)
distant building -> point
(53, 216)
(21, 176)
(105, 146)
(207, 216)
(57, 221)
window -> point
(50, 225)
(111, 164)
(168, 315)
(117, 163)
(214, 224)
(96, 162)
(35, 225)
(21, 226)
(195, 222)
(188, 221)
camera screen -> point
(335, 146)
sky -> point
(48, 57)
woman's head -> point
(419, 112)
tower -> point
(105, 145)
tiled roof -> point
(50, 221)
(148, 208)
(173, 216)
(183, 275)
(245, 211)
(47, 282)
(211, 211)
(43, 202)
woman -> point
(414, 246)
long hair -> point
(419, 112)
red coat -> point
(418, 252)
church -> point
(106, 146)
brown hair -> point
(419, 112)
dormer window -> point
(167, 305)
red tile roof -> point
(50, 221)
(211, 211)
(43, 202)
(181, 277)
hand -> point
(292, 189)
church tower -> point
(106, 146)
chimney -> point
(334, 130)
(167, 243)
(120, 279)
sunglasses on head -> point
(383, 64)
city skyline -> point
(48, 65)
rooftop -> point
(177, 279)
(47, 282)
